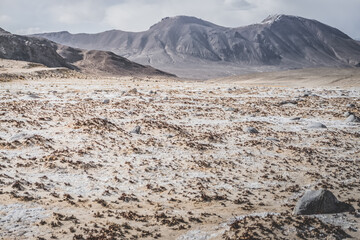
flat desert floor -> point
(148, 158)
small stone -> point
(295, 118)
(166, 98)
(317, 125)
(106, 101)
(292, 102)
(136, 130)
(320, 202)
(251, 130)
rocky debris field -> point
(150, 158)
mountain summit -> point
(181, 21)
(191, 47)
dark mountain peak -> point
(53, 35)
(64, 32)
(60, 33)
(180, 21)
(291, 24)
(3, 32)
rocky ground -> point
(149, 158)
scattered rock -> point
(317, 125)
(251, 130)
(295, 118)
(106, 101)
(320, 202)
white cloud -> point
(239, 4)
(132, 16)
(139, 15)
(78, 12)
(4, 19)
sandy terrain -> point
(73, 168)
(19, 70)
(311, 77)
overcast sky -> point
(34, 16)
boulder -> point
(136, 130)
(352, 118)
(347, 114)
(320, 202)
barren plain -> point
(158, 158)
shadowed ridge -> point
(4, 32)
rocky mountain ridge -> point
(185, 45)
(51, 54)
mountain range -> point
(51, 54)
(194, 48)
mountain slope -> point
(191, 44)
(30, 49)
(51, 54)
(105, 63)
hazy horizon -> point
(94, 16)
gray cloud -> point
(239, 4)
(20, 16)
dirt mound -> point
(106, 63)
